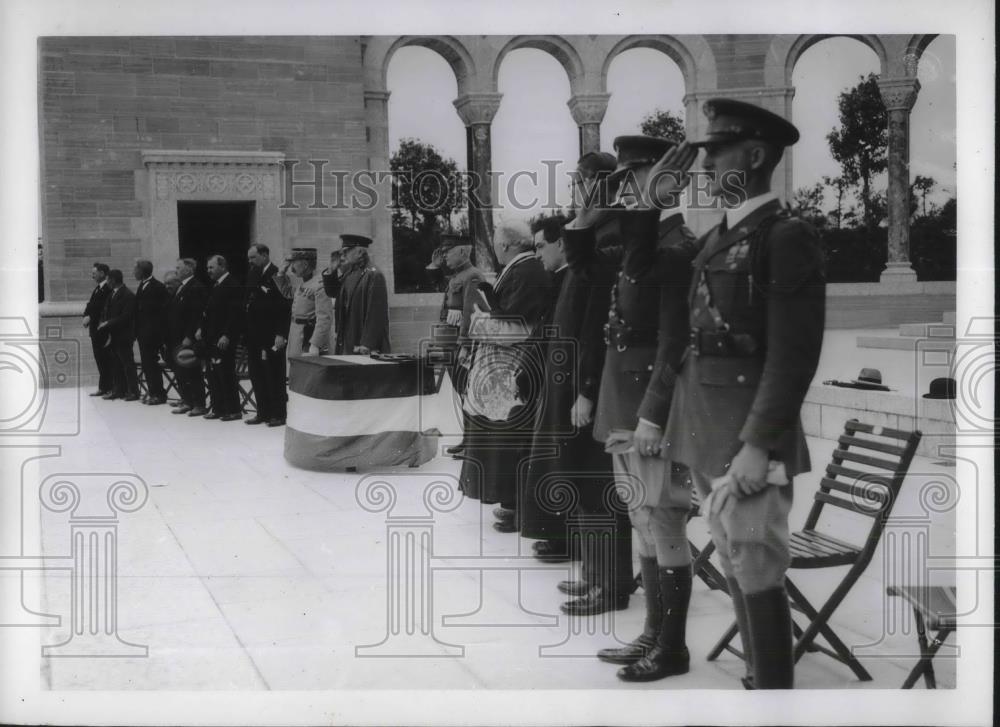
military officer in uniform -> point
(312, 311)
(646, 334)
(267, 314)
(756, 327)
(362, 314)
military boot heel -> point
(670, 656)
(640, 646)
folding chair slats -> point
(875, 446)
(858, 491)
(816, 535)
(865, 459)
(853, 425)
(858, 475)
(830, 499)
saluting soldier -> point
(756, 316)
(312, 311)
(362, 313)
(267, 322)
(646, 333)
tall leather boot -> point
(770, 626)
(740, 608)
(669, 656)
(638, 647)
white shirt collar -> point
(222, 277)
(562, 267)
(184, 281)
(103, 283)
(735, 215)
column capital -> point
(899, 94)
(588, 108)
(382, 96)
(477, 108)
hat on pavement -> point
(732, 120)
(185, 357)
(302, 253)
(349, 241)
(943, 388)
(870, 379)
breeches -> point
(751, 535)
(659, 513)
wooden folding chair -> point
(933, 608)
(864, 477)
(247, 401)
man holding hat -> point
(184, 315)
(267, 313)
(362, 316)
(312, 311)
(645, 335)
(756, 326)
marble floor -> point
(241, 572)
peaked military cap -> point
(638, 150)
(732, 120)
(448, 241)
(596, 161)
(355, 241)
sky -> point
(534, 124)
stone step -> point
(928, 330)
(902, 343)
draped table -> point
(361, 412)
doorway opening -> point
(216, 228)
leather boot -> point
(769, 620)
(640, 646)
(669, 656)
(740, 609)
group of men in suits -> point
(651, 363)
(197, 329)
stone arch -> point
(677, 51)
(448, 47)
(915, 48)
(802, 43)
(557, 47)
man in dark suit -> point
(757, 306)
(267, 323)
(150, 329)
(645, 333)
(118, 323)
(220, 331)
(91, 320)
(184, 316)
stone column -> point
(477, 111)
(899, 95)
(588, 111)
(377, 122)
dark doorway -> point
(216, 228)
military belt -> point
(722, 343)
(623, 337)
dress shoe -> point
(211, 415)
(276, 422)
(132, 397)
(99, 393)
(630, 653)
(457, 449)
(231, 417)
(111, 396)
(598, 600)
(573, 588)
(255, 420)
(657, 664)
(198, 411)
(503, 513)
(506, 526)
(177, 404)
(182, 409)
(157, 400)
(641, 645)
(549, 549)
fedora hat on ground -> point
(870, 379)
(943, 388)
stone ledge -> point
(930, 287)
(889, 402)
(60, 308)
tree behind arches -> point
(859, 145)
(664, 125)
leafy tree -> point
(663, 124)
(922, 186)
(859, 145)
(426, 185)
(807, 203)
(840, 187)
